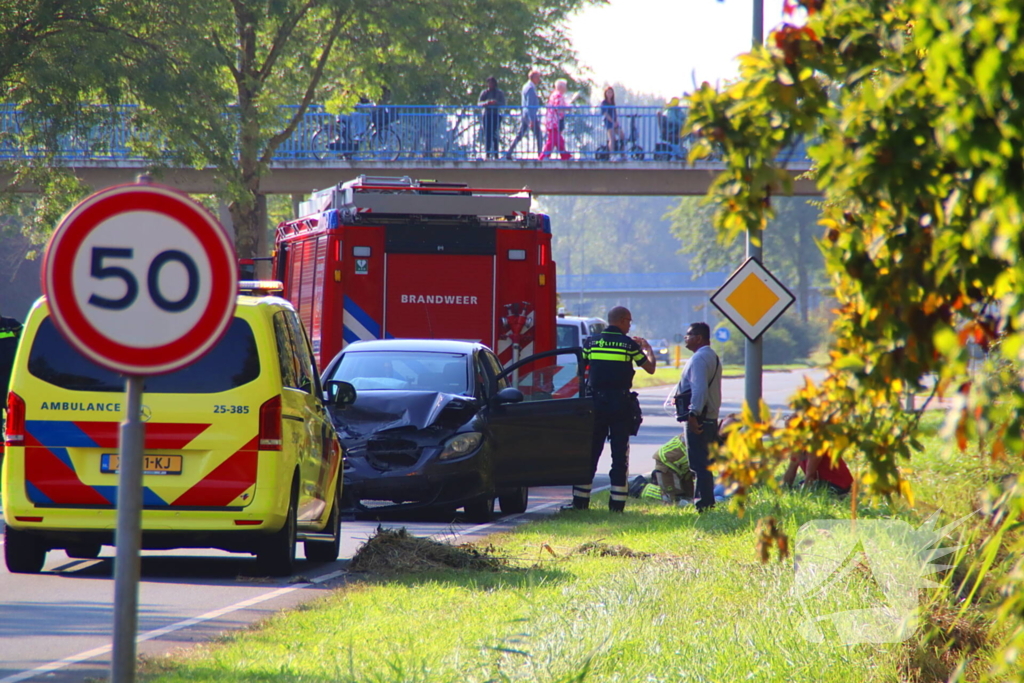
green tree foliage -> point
(54, 57)
(210, 77)
(612, 235)
(914, 107)
(790, 252)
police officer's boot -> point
(617, 501)
(581, 497)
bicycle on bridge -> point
(368, 133)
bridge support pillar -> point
(224, 215)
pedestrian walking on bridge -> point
(611, 356)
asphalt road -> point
(57, 626)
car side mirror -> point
(341, 394)
(508, 395)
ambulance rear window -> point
(234, 361)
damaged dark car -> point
(439, 425)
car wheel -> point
(23, 552)
(276, 554)
(83, 551)
(327, 551)
(481, 510)
(514, 501)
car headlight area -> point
(461, 445)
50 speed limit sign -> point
(141, 279)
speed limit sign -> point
(141, 279)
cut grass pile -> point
(396, 551)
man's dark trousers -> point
(525, 125)
(697, 451)
(613, 420)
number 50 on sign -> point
(141, 279)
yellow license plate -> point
(152, 464)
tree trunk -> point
(250, 220)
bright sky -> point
(662, 46)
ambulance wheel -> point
(327, 551)
(83, 551)
(23, 553)
(514, 501)
(481, 510)
(276, 554)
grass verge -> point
(670, 375)
(656, 594)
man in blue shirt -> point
(531, 113)
(698, 402)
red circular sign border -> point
(75, 228)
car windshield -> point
(568, 336)
(404, 371)
(658, 343)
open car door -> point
(544, 440)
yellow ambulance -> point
(240, 453)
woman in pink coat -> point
(553, 121)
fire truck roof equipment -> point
(403, 196)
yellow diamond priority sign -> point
(752, 299)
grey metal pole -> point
(753, 356)
(129, 535)
(758, 22)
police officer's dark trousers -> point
(613, 421)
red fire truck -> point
(390, 257)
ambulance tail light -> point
(270, 425)
(14, 434)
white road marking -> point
(150, 635)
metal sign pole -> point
(753, 350)
(128, 538)
(753, 356)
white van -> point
(573, 331)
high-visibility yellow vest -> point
(673, 456)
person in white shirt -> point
(698, 402)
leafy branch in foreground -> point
(911, 110)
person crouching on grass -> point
(821, 471)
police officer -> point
(10, 331)
(610, 356)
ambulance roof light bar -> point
(257, 287)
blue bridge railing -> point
(399, 132)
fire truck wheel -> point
(514, 501)
(481, 510)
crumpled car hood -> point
(379, 411)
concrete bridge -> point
(447, 144)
